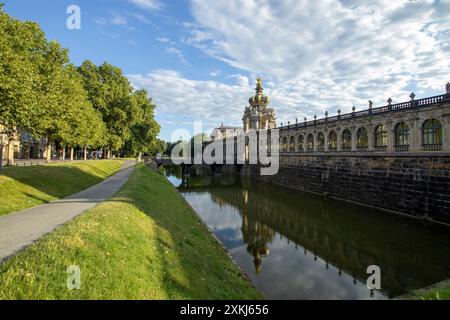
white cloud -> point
(147, 4)
(209, 101)
(318, 55)
(162, 39)
(117, 19)
(177, 52)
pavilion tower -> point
(257, 115)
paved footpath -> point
(19, 230)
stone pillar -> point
(390, 130)
(446, 132)
(327, 136)
(314, 141)
(414, 135)
(339, 139)
(354, 138)
(370, 138)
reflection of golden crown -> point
(259, 99)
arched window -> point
(300, 143)
(332, 141)
(292, 144)
(362, 140)
(432, 135)
(346, 140)
(381, 138)
(310, 142)
(320, 141)
(284, 144)
(401, 137)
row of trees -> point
(88, 106)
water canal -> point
(295, 245)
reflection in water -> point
(299, 246)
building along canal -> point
(296, 245)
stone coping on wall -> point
(437, 154)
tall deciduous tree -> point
(144, 129)
(23, 51)
(111, 94)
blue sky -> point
(199, 58)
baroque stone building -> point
(395, 157)
(413, 126)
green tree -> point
(145, 129)
(111, 94)
(23, 54)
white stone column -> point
(390, 137)
(354, 138)
(339, 139)
(370, 138)
(446, 133)
(327, 136)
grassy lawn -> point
(25, 187)
(145, 243)
(440, 291)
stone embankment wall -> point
(416, 185)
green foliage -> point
(128, 115)
(144, 129)
(24, 53)
(41, 93)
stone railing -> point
(413, 104)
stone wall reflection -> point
(344, 235)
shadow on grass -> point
(55, 181)
(29, 186)
(196, 265)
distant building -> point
(22, 146)
(226, 131)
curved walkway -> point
(19, 230)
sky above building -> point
(198, 59)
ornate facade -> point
(258, 115)
(414, 126)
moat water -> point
(295, 245)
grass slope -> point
(25, 187)
(439, 291)
(145, 243)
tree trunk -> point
(1, 153)
(64, 154)
(10, 154)
(71, 153)
(108, 156)
(139, 159)
(85, 153)
(48, 152)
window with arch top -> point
(346, 139)
(432, 132)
